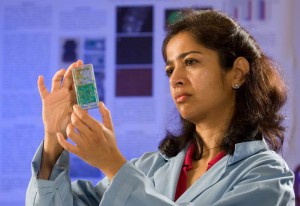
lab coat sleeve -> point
(130, 187)
(268, 183)
(58, 190)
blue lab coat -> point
(254, 175)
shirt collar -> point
(188, 160)
(219, 156)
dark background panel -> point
(134, 82)
(134, 50)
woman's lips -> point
(180, 98)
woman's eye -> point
(169, 72)
(190, 62)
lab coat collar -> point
(173, 169)
(246, 149)
(211, 177)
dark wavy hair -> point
(258, 100)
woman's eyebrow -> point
(183, 55)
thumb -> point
(42, 88)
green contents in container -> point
(86, 93)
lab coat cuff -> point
(37, 159)
(44, 187)
(62, 164)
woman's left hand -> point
(95, 142)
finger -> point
(106, 117)
(65, 144)
(73, 135)
(68, 80)
(57, 79)
(81, 127)
(89, 121)
(79, 62)
(42, 88)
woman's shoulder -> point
(256, 156)
(255, 150)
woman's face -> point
(200, 90)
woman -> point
(228, 94)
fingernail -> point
(76, 107)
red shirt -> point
(188, 165)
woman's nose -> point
(177, 78)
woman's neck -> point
(212, 134)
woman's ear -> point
(241, 68)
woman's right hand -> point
(57, 109)
(57, 104)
